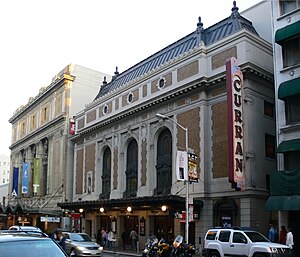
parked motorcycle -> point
(180, 249)
(164, 248)
(151, 248)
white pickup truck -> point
(221, 242)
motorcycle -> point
(164, 248)
(151, 248)
(180, 249)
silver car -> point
(81, 244)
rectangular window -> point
(270, 144)
(292, 160)
(291, 52)
(33, 122)
(269, 109)
(289, 5)
(292, 107)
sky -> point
(41, 37)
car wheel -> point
(214, 254)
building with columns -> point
(41, 156)
(125, 173)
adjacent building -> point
(41, 171)
(127, 139)
(284, 200)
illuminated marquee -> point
(235, 106)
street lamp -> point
(161, 116)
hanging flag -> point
(182, 165)
(15, 181)
(36, 175)
(25, 170)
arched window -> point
(131, 169)
(106, 174)
(164, 163)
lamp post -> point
(161, 116)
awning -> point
(289, 146)
(283, 203)
(287, 32)
(285, 182)
(289, 88)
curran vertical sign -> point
(235, 107)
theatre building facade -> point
(126, 140)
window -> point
(106, 174)
(291, 52)
(238, 237)
(3, 181)
(292, 107)
(269, 109)
(164, 163)
(289, 5)
(130, 98)
(224, 236)
(270, 144)
(161, 83)
(292, 160)
(131, 169)
(33, 122)
(105, 109)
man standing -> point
(290, 240)
(272, 233)
(133, 237)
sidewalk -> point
(121, 251)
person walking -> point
(282, 235)
(272, 233)
(133, 237)
(58, 236)
(124, 238)
(103, 237)
(111, 240)
(290, 240)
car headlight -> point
(80, 248)
(101, 248)
(274, 250)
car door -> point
(224, 241)
(239, 244)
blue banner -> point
(25, 170)
(15, 181)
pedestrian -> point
(124, 238)
(58, 237)
(103, 237)
(133, 237)
(282, 235)
(151, 236)
(290, 240)
(98, 237)
(272, 233)
(111, 240)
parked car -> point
(81, 245)
(235, 241)
(16, 227)
(16, 243)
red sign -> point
(235, 108)
(75, 216)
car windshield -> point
(80, 237)
(30, 248)
(256, 236)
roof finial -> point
(234, 10)
(104, 82)
(116, 72)
(199, 25)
